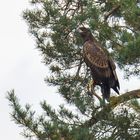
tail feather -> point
(116, 87)
(105, 89)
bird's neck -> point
(90, 38)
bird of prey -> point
(100, 63)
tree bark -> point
(114, 101)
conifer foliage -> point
(53, 23)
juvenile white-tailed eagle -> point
(100, 63)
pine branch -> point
(24, 117)
(114, 101)
(124, 98)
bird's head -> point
(85, 33)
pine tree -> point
(53, 23)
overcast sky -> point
(21, 68)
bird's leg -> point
(91, 91)
(90, 87)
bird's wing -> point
(95, 55)
(112, 64)
(113, 67)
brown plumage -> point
(101, 64)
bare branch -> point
(79, 67)
(135, 94)
(96, 95)
(111, 12)
(124, 98)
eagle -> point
(100, 63)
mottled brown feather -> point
(95, 55)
